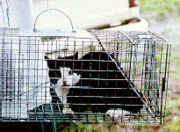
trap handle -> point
(35, 30)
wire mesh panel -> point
(112, 76)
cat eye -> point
(57, 75)
(70, 73)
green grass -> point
(82, 127)
(173, 106)
(175, 56)
(173, 126)
(174, 74)
(163, 8)
(139, 126)
(160, 6)
(103, 127)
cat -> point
(67, 79)
(61, 78)
(102, 85)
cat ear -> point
(46, 57)
(76, 55)
(112, 55)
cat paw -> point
(67, 111)
(116, 113)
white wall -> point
(21, 14)
(84, 13)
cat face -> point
(62, 66)
(68, 78)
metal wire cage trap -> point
(114, 76)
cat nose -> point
(65, 83)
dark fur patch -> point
(107, 87)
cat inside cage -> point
(54, 77)
(92, 83)
(79, 83)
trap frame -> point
(142, 58)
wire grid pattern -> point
(27, 92)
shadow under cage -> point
(112, 76)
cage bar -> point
(112, 76)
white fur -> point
(62, 90)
